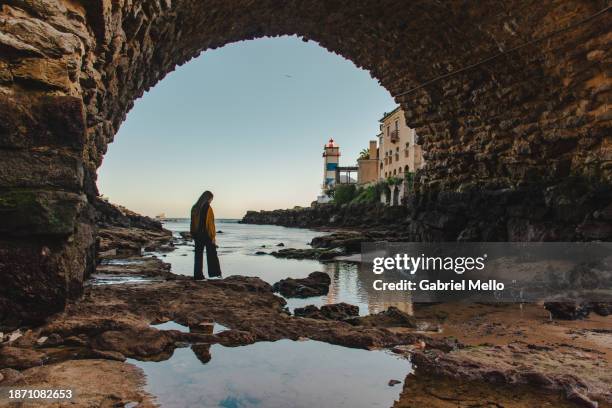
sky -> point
(248, 122)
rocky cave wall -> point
(70, 71)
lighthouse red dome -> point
(331, 143)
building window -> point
(394, 172)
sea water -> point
(239, 243)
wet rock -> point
(137, 266)
(567, 310)
(186, 235)
(79, 341)
(336, 311)
(392, 317)
(20, 358)
(309, 253)
(108, 355)
(349, 241)
(261, 253)
(310, 311)
(144, 342)
(202, 352)
(205, 327)
(280, 244)
(601, 308)
(220, 232)
(131, 241)
(243, 284)
(235, 338)
(394, 382)
(316, 284)
(339, 311)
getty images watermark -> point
(492, 272)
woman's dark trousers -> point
(212, 259)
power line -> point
(513, 49)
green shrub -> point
(366, 195)
(409, 177)
(344, 193)
(392, 181)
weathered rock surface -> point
(392, 317)
(100, 383)
(316, 284)
(335, 311)
(573, 210)
(136, 266)
(20, 358)
(568, 310)
(498, 365)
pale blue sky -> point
(247, 121)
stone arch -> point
(396, 195)
(70, 71)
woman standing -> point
(203, 233)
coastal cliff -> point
(573, 211)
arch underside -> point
(517, 148)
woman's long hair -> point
(204, 198)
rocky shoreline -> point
(490, 346)
(575, 210)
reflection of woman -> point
(203, 233)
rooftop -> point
(387, 114)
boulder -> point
(316, 284)
(601, 308)
(335, 311)
(567, 310)
(142, 342)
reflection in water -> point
(104, 279)
(352, 280)
(279, 374)
(351, 283)
(172, 325)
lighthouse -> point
(331, 158)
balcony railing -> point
(394, 136)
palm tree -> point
(364, 154)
